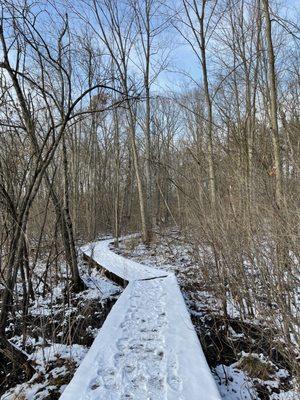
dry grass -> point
(256, 368)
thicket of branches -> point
(90, 143)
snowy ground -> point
(171, 253)
(147, 347)
(60, 329)
(58, 351)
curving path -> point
(147, 348)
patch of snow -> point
(290, 395)
(234, 384)
(44, 355)
(36, 390)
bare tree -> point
(199, 24)
(273, 104)
(56, 114)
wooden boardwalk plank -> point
(147, 348)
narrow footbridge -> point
(147, 348)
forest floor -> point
(61, 327)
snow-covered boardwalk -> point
(147, 348)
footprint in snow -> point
(173, 378)
(122, 343)
(174, 382)
(109, 379)
(119, 359)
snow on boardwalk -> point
(147, 348)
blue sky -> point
(183, 67)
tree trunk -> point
(273, 106)
(138, 181)
(67, 229)
(149, 211)
(211, 169)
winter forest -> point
(149, 153)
